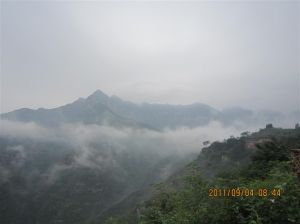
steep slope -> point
(263, 190)
(219, 161)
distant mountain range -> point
(82, 174)
(99, 108)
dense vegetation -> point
(232, 164)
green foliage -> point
(266, 157)
(270, 169)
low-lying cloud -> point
(182, 139)
(105, 148)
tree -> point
(206, 143)
(245, 133)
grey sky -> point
(224, 54)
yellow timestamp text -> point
(244, 192)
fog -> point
(181, 140)
(103, 147)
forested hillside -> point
(249, 179)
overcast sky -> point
(224, 54)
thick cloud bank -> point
(183, 140)
(105, 148)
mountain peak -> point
(98, 92)
(97, 97)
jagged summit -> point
(98, 95)
(98, 92)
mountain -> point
(100, 156)
(99, 108)
(65, 166)
(94, 109)
(199, 193)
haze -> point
(225, 54)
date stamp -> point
(244, 192)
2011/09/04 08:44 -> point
(244, 192)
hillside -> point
(232, 164)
